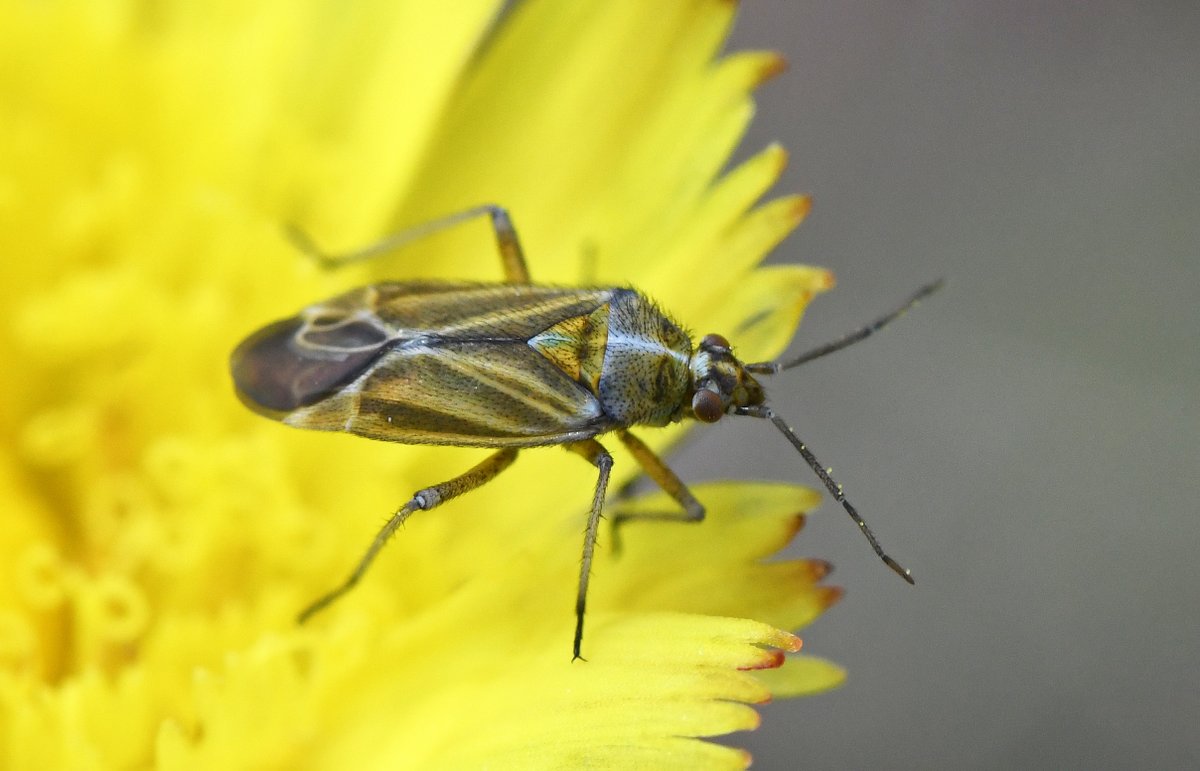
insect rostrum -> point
(505, 366)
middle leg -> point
(593, 452)
(422, 500)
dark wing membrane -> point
(469, 311)
(295, 362)
(487, 394)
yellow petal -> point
(763, 310)
(802, 676)
(666, 564)
(159, 539)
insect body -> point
(505, 366)
(470, 364)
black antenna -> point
(763, 411)
(772, 367)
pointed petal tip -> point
(819, 568)
(772, 658)
(784, 641)
(801, 206)
(797, 524)
(773, 65)
(828, 596)
(788, 212)
(776, 157)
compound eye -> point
(706, 406)
(714, 341)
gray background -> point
(1026, 441)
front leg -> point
(664, 477)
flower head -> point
(158, 539)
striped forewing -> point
(465, 375)
(469, 311)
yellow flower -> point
(157, 538)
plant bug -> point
(507, 366)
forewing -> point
(488, 394)
(428, 362)
(471, 311)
